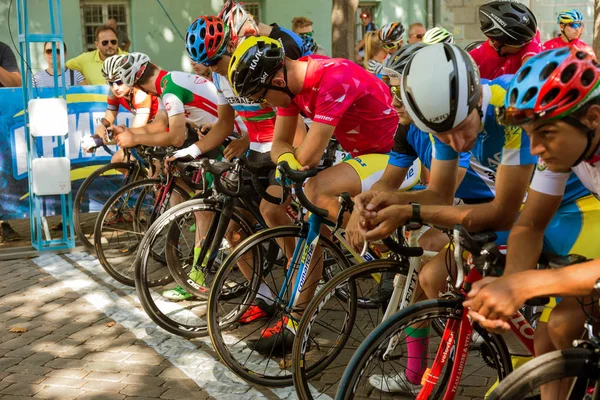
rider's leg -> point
(433, 240)
(565, 324)
(276, 215)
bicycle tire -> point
(215, 327)
(435, 309)
(80, 196)
(128, 277)
(571, 363)
(165, 222)
(301, 369)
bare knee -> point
(433, 240)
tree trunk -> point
(343, 34)
(596, 43)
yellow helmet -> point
(254, 63)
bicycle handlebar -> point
(298, 177)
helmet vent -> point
(530, 94)
(581, 55)
(571, 96)
(523, 74)
(550, 97)
(548, 69)
(562, 52)
(514, 95)
(568, 73)
(588, 77)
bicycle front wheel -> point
(552, 368)
(395, 356)
(94, 192)
(334, 324)
(121, 225)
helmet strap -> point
(285, 89)
(590, 133)
(562, 31)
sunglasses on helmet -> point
(513, 116)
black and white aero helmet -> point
(395, 63)
(440, 87)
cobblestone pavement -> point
(87, 337)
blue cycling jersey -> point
(498, 144)
(411, 143)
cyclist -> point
(564, 135)
(470, 125)
(145, 107)
(511, 29)
(391, 38)
(438, 35)
(475, 182)
(208, 42)
(242, 24)
(344, 101)
(570, 24)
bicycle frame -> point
(458, 333)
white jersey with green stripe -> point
(193, 95)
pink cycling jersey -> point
(558, 42)
(492, 66)
(340, 93)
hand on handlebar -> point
(237, 147)
(492, 301)
(191, 151)
(292, 163)
(354, 234)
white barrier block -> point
(48, 117)
(51, 176)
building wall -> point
(461, 17)
(152, 32)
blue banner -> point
(85, 105)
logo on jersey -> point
(541, 165)
(510, 132)
(324, 118)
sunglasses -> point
(310, 34)
(418, 36)
(118, 82)
(390, 46)
(213, 62)
(106, 42)
(514, 116)
(396, 92)
(574, 25)
(261, 100)
(49, 51)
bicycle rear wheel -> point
(237, 344)
(94, 192)
(376, 370)
(525, 382)
(121, 225)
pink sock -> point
(417, 341)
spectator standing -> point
(368, 26)
(45, 78)
(304, 28)
(416, 32)
(124, 41)
(9, 71)
(374, 54)
(90, 63)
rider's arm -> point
(140, 120)
(499, 214)
(283, 137)
(158, 126)
(144, 135)
(527, 236)
(220, 130)
(310, 152)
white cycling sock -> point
(265, 294)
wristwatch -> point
(415, 221)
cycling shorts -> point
(370, 168)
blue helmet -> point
(206, 39)
(569, 16)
